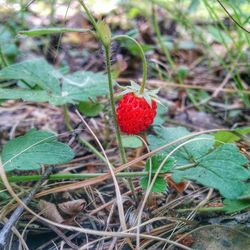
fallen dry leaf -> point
(50, 211)
(72, 207)
(179, 187)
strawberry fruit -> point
(135, 114)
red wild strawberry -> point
(134, 114)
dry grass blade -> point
(79, 229)
(152, 183)
(165, 84)
(117, 189)
(81, 184)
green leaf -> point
(242, 203)
(156, 162)
(231, 136)
(129, 141)
(83, 85)
(29, 151)
(159, 186)
(24, 94)
(160, 115)
(90, 109)
(36, 71)
(186, 154)
(246, 194)
(222, 169)
(232, 206)
(79, 86)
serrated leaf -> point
(24, 94)
(231, 136)
(83, 85)
(29, 151)
(79, 86)
(159, 186)
(90, 109)
(242, 203)
(129, 141)
(160, 115)
(36, 71)
(186, 154)
(156, 162)
(222, 169)
(32, 95)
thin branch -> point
(5, 232)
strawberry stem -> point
(107, 46)
(142, 54)
(111, 93)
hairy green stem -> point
(117, 130)
(142, 54)
(112, 101)
(106, 42)
(54, 177)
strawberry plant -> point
(165, 154)
(202, 159)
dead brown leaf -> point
(179, 187)
(72, 207)
(50, 211)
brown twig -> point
(158, 83)
(5, 232)
(60, 234)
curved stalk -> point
(144, 78)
